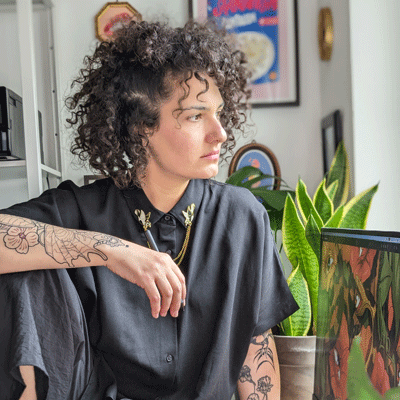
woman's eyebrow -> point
(201, 108)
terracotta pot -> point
(297, 363)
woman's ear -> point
(147, 133)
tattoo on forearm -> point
(263, 355)
(61, 244)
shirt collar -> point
(193, 194)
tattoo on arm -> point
(263, 355)
(61, 244)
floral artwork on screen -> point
(359, 293)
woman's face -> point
(188, 141)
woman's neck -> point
(163, 195)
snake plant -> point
(303, 218)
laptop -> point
(359, 295)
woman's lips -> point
(214, 155)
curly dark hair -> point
(125, 81)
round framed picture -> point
(112, 16)
(258, 156)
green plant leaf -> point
(393, 394)
(241, 174)
(313, 235)
(299, 251)
(253, 180)
(292, 229)
(336, 219)
(322, 202)
(340, 171)
(272, 199)
(306, 206)
(332, 189)
(298, 324)
(359, 386)
(275, 219)
(355, 212)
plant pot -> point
(296, 356)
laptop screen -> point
(359, 295)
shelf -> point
(36, 173)
(12, 163)
(51, 171)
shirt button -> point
(169, 252)
(169, 358)
(167, 217)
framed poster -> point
(266, 31)
(261, 157)
(332, 135)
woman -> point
(154, 111)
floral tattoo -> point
(263, 355)
(61, 244)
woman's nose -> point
(217, 133)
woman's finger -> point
(166, 293)
(153, 294)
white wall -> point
(375, 59)
(335, 76)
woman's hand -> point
(161, 279)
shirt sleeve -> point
(276, 302)
(54, 206)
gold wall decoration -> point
(112, 16)
(325, 33)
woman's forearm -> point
(259, 377)
(26, 245)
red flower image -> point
(361, 262)
(21, 239)
(338, 359)
(379, 376)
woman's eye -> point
(194, 117)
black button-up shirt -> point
(235, 286)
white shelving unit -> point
(12, 163)
(36, 170)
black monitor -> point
(12, 142)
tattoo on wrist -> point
(61, 244)
(263, 355)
